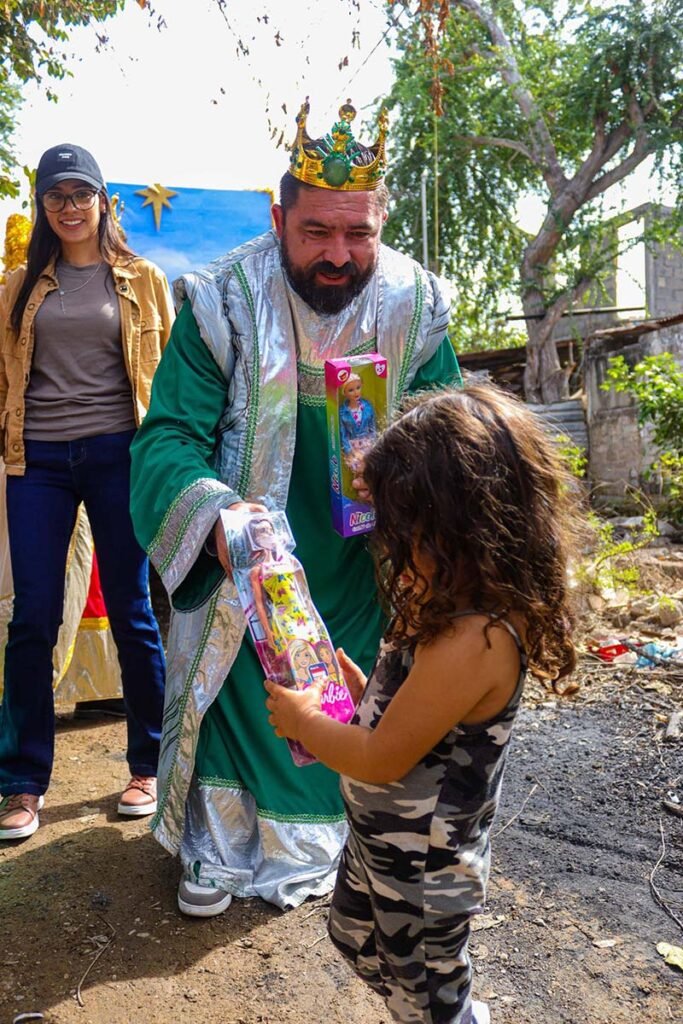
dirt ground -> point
(587, 879)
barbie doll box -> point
(356, 410)
(290, 638)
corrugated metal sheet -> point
(567, 417)
(632, 331)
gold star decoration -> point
(157, 196)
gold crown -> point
(330, 162)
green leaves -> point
(557, 101)
(611, 566)
(32, 39)
(656, 383)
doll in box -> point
(357, 423)
(278, 596)
(356, 405)
(286, 628)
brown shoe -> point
(139, 797)
(19, 815)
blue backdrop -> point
(200, 225)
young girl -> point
(473, 513)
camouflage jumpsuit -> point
(415, 866)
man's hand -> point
(219, 540)
(290, 708)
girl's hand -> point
(354, 677)
(290, 708)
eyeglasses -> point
(81, 199)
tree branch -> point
(605, 149)
(584, 186)
(560, 213)
(555, 311)
(567, 299)
(641, 150)
(634, 124)
(613, 143)
(602, 146)
(492, 140)
(545, 154)
(579, 290)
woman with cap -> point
(82, 327)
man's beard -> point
(326, 298)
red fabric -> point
(609, 650)
(94, 606)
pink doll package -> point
(290, 638)
(356, 390)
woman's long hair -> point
(45, 246)
(468, 481)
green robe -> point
(237, 749)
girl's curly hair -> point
(470, 480)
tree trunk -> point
(544, 379)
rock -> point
(644, 605)
(670, 613)
(618, 598)
(621, 618)
(666, 529)
(627, 522)
(100, 900)
(674, 728)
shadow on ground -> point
(569, 935)
(94, 893)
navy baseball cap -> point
(64, 162)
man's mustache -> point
(349, 269)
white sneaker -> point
(480, 1013)
(201, 900)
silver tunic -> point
(258, 331)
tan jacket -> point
(146, 318)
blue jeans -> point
(41, 513)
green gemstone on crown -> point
(336, 170)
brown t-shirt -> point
(78, 386)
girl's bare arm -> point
(450, 679)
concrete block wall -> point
(620, 452)
(663, 277)
(664, 281)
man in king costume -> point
(237, 419)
